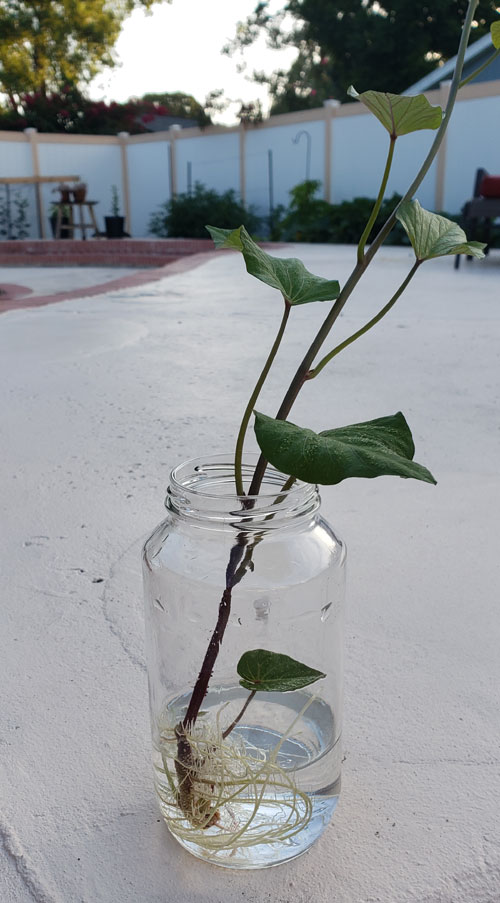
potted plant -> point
(244, 579)
(79, 192)
(115, 224)
(64, 192)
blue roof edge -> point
(440, 74)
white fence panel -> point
(473, 141)
(360, 145)
(149, 182)
(298, 143)
(16, 158)
(289, 161)
(213, 160)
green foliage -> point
(13, 215)
(311, 219)
(115, 201)
(46, 45)
(398, 114)
(71, 112)
(289, 275)
(261, 669)
(186, 215)
(372, 449)
(185, 106)
(308, 218)
(435, 236)
(361, 42)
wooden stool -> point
(67, 208)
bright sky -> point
(178, 48)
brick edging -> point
(153, 275)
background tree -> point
(182, 105)
(71, 112)
(46, 45)
(373, 45)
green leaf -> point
(495, 34)
(373, 449)
(399, 113)
(288, 275)
(260, 669)
(432, 235)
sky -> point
(177, 47)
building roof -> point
(471, 61)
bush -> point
(314, 220)
(307, 218)
(71, 112)
(186, 215)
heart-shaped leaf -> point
(288, 275)
(260, 669)
(432, 235)
(495, 34)
(398, 113)
(373, 449)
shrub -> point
(186, 215)
(307, 218)
(311, 219)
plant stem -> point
(233, 576)
(378, 202)
(367, 326)
(253, 399)
(240, 716)
(236, 568)
(473, 75)
(302, 373)
(239, 562)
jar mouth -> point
(203, 488)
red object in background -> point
(490, 187)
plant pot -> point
(65, 196)
(79, 195)
(115, 226)
(255, 778)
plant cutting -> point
(244, 579)
(115, 224)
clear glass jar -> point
(253, 788)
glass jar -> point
(244, 779)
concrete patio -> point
(101, 397)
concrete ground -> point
(101, 396)
(52, 280)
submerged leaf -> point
(288, 275)
(372, 449)
(260, 669)
(399, 113)
(432, 235)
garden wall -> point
(341, 145)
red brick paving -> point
(16, 299)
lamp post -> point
(308, 150)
